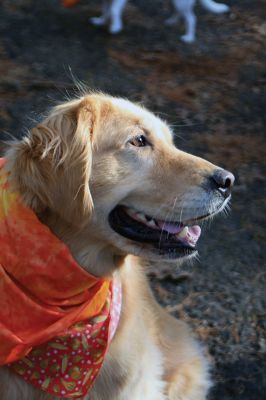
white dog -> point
(113, 10)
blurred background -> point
(212, 92)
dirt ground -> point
(213, 94)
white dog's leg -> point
(103, 19)
(185, 8)
(190, 20)
(116, 10)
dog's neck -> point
(98, 258)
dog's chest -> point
(136, 367)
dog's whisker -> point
(171, 219)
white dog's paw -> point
(187, 38)
(98, 21)
(172, 20)
(116, 27)
(222, 8)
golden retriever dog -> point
(105, 176)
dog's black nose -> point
(224, 181)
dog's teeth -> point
(141, 217)
(183, 233)
(151, 223)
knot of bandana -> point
(56, 319)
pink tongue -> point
(192, 235)
(170, 228)
(194, 232)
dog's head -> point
(110, 168)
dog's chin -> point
(137, 234)
(151, 255)
(124, 247)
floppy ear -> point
(53, 164)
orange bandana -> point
(56, 320)
(70, 3)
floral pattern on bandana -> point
(68, 365)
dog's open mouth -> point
(167, 237)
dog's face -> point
(111, 167)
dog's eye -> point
(139, 141)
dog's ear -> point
(53, 163)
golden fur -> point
(73, 169)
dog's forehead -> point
(145, 119)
